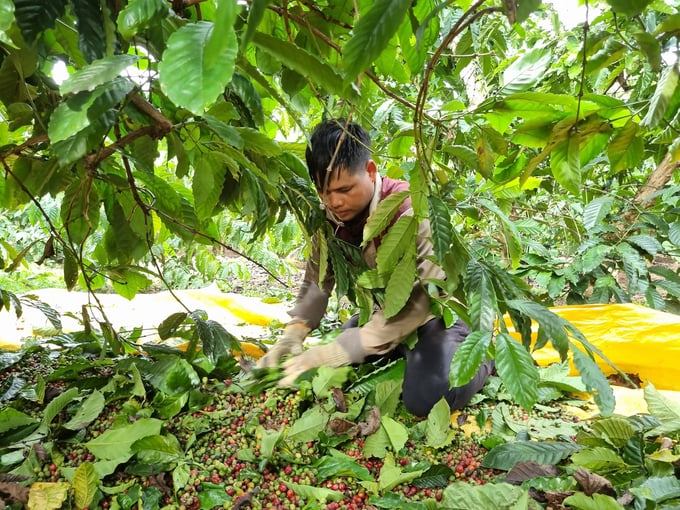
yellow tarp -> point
(637, 339)
(243, 316)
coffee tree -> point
(543, 156)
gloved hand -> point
(330, 355)
(290, 343)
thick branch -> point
(31, 142)
(158, 130)
(655, 182)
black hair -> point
(337, 144)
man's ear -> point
(371, 169)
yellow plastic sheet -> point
(637, 339)
(244, 316)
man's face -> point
(349, 194)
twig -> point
(331, 44)
(583, 67)
(31, 142)
(468, 17)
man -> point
(350, 187)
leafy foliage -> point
(180, 130)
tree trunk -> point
(655, 182)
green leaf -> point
(97, 73)
(516, 369)
(481, 298)
(616, 430)
(11, 419)
(256, 141)
(209, 173)
(392, 475)
(396, 432)
(596, 211)
(526, 71)
(551, 324)
(651, 49)
(129, 281)
(306, 64)
(71, 269)
(371, 279)
(222, 37)
(255, 14)
(467, 496)
(55, 406)
(116, 444)
(466, 155)
(320, 494)
(595, 380)
(328, 378)
(91, 33)
(377, 444)
(599, 459)
(663, 409)
(626, 149)
(85, 485)
(308, 426)
(468, 357)
(646, 242)
(506, 455)
(565, 164)
(89, 410)
(387, 395)
(139, 15)
(400, 241)
(157, 449)
(628, 7)
(35, 16)
(384, 214)
(665, 90)
(329, 467)
(438, 426)
(510, 232)
(6, 15)
(400, 285)
(170, 325)
(661, 488)
(185, 60)
(371, 35)
(579, 501)
(525, 8)
(440, 225)
(180, 476)
(173, 375)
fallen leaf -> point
(372, 423)
(17, 492)
(339, 399)
(592, 483)
(523, 471)
(339, 426)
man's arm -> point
(378, 335)
(306, 314)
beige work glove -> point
(330, 355)
(290, 343)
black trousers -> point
(426, 379)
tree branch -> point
(158, 130)
(468, 17)
(31, 142)
(655, 182)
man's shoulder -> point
(390, 186)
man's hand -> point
(331, 355)
(290, 343)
